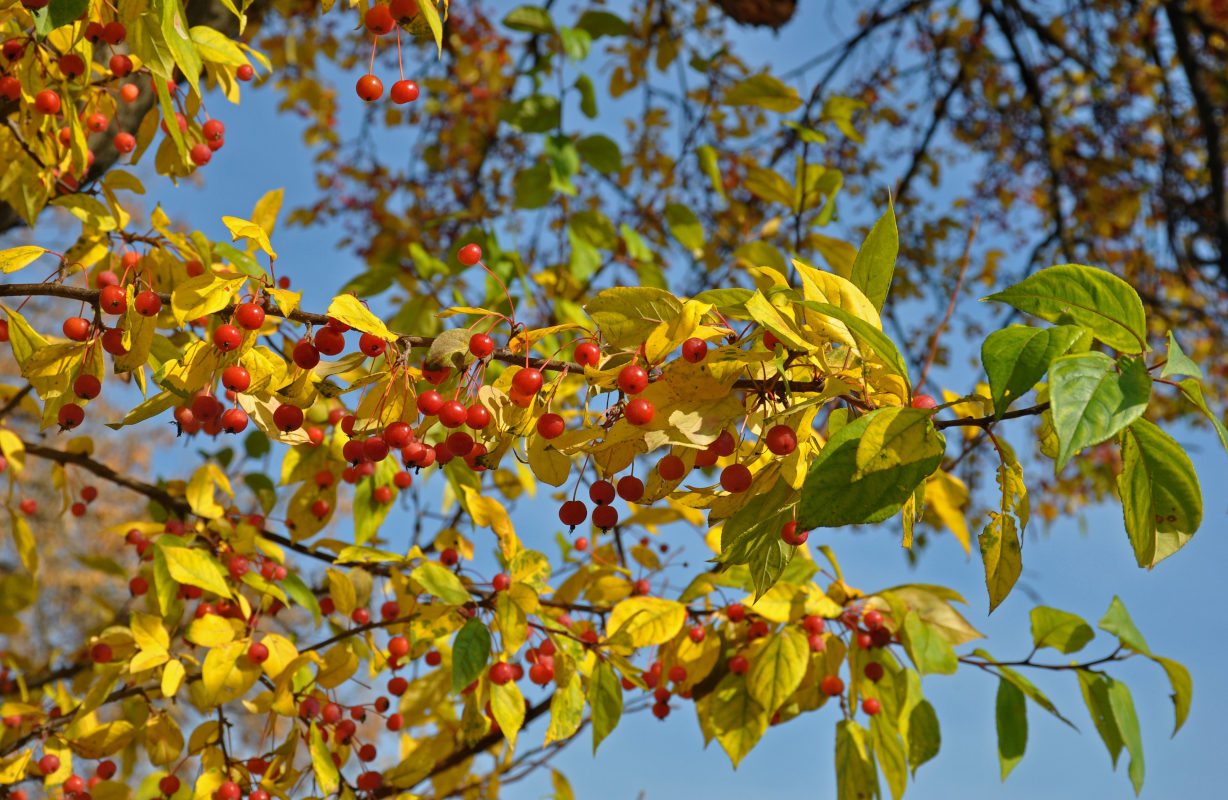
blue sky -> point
(1078, 566)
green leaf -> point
(856, 775)
(603, 23)
(1117, 622)
(594, 228)
(576, 43)
(840, 110)
(778, 668)
(369, 514)
(1177, 362)
(178, 38)
(566, 709)
(532, 187)
(326, 774)
(768, 559)
(1060, 630)
(924, 735)
(1191, 389)
(239, 260)
(737, 719)
(588, 96)
(196, 568)
(781, 325)
(529, 19)
(764, 91)
(684, 226)
(930, 652)
(537, 113)
(709, 166)
(1097, 300)
(1093, 398)
(1094, 687)
(441, 582)
(1018, 356)
(1183, 688)
(626, 315)
(1027, 687)
(1012, 721)
(870, 468)
(600, 153)
(299, 592)
(875, 261)
(889, 750)
(57, 14)
(999, 544)
(867, 336)
(470, 652)
(1127, 725)
(1160, 495)
(605, 699)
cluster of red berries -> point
(383, 19)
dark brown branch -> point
(988, 422)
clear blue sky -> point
(1078, 567)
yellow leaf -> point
(439, 581)
(148, 633)
(13, 768)
(322, 764)
(548, 464)
(488, 512)
(670, 334)
(203, 295)
(147, 659)
(431, 14)
(513, 623)
(15, 258)
(243, 229)
(14, 452)
(339, 664)
(767, 315)
(341, 589)
(211, 630)
(778, 668)
(646, 620)
(507, 705)
(226, 674)
(781, 603)
(196, 568)
(267, 207)
(736, 718)
(23, 539)
(286, 300)
(201, 489)
(348, 309)
(163, 739)
(172, 678)
(947, 497)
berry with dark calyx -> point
(10, 87)
(550, 426)
(573, 513)
(632, 379)
(639, 411)
(371, 345)
(435, 376)
(697, 634)
(101, 653)
(369, 88)
(605, 517)
(501, 582)
(236, 379)
(923, 401)
(227, 338)
(288, 418)
(147, 303)
(588, 354)
(873, 671)
(47, 101)
(106, 770)
(813, 623)
(398, 435)
(769, 340)
(70, 416)
(739, 665)
(86, 387)
(97, 123)
(403, 92)
(527, 381)
(213, 130)
(452, 414)
(601, 492)
(114, 32)
(329, 341)
(112, 300)
(694, 350)
(125, 142)
(864, 640)
(630, 488)
(257, 652)
(469, 255)
(234, 420)
(832, 685)
(872, 619)
(121, 67)
(481, 345)
(815, 640)
(500, 673)
(735, 478)
(736, 612)
(379, 20)
(477, 417)
(449, 557)
(792, 536)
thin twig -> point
(959, 284)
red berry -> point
(527, 381)
(792, 536)
(671, 468)
(872, 619)
(735, 478)
(815, 640)
(433, 658)
(469, 255)
(245, 72)
(588, 354)
(288, 418)
(404, 91)
(641, 587)
(70, 416)
(86, 387)
(477, 417)
(605, 517)
(632, 379)
(725, 444)
(739, 665)
(213, 130)
(47, 102)
(601, 492)
(874, 671)
(320, 508)
(249, 316)
(449, 557)
(832, 685)
(121, 67)
(481, 345)
(370, 88)
(677, 673)
(200, 154)
(924, 401)
(106, 770)
(168, 785)
(694, 350)
(769, 340)
(10, 87)
(781, 440)
(371, 345)
(229, 790)
(813, 624)
(379, 20)
(435, 376)
(112, 300)
(101, 653)
(129, 92)
(49, 763)
(736, 612)
(573, 513)
(870, 706)
(147, 304)
(227, 338)
(306, 356)
(550, 426)
(452, 414)
(97, 122)
(541, 673)
(581, 544)
(257, 653)
(236, 379)
(138, 586)
(234, 420)
(639, 411)
(697, 634)
(114, 32)
(500, 673)
(430, 402)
